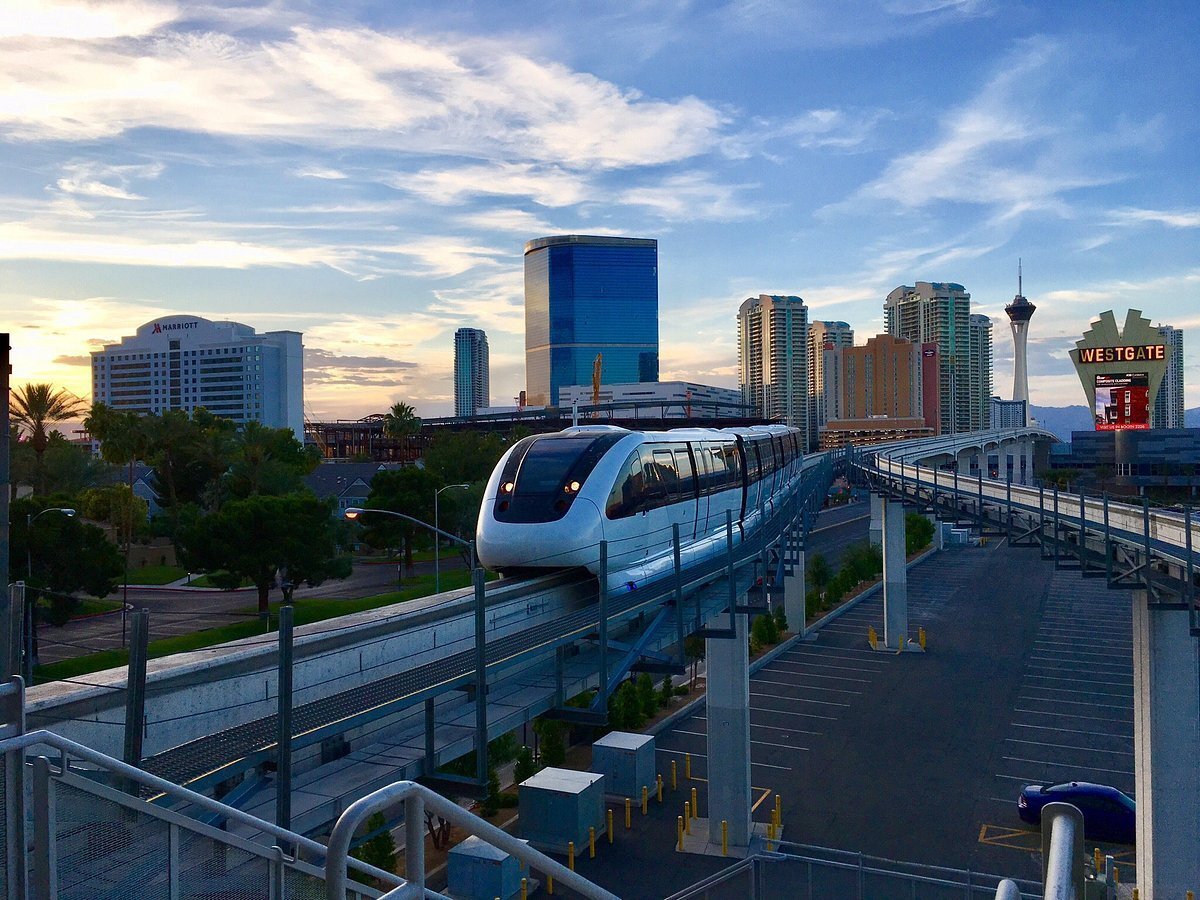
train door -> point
(688, 492)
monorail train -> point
(553, 498)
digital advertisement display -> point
(1122, 401)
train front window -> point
(551, 474)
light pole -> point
(30, 603)
(481, 748)
(437, 556)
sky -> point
(369, 172)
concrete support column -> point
(794, 587)
(1166, 746)
(1027, 455)
(728, 661)
(895, 577)
(937, 531)
(876, 528)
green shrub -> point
(379, 851)
(647, 699)
(918, 533)
(812, 603)
(525, 767)
(552, 735)
(764, 630)
(667, 693)
(780, 615)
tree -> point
(667, 693)
(918, 532)
(257, 536)
(764, 630)
(552, 734)
(116, 506)
(409, 491)
(69, 468)
(694, 649)
(34, 406)
(439, 830)
(819, 571)
(525, 767)
(646, 698)
(401, 423)
(267, 461)
(780, 614)
(458, 457)
(378, 851)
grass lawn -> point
(156, 574)
(308, 610)
(204, 582)
(91, 606)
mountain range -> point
(1062, 420)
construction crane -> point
(597, 368)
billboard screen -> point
(1122, 401)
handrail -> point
(416, 799)
(1062, 851)
(70, 748)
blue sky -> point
(368, 172)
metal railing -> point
(814, 873)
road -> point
(916, 757)
(175, 611)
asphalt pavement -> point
(920, 757)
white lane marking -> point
(1128, 667)
(1128, 753)
(814, 665)
(799, 699)
(785, 712)
(772, 727)
(1074, 731)
(814, 675)
(1066, 715)
(808, 687)
(1044, 762)
(1075, 680)
(1038, 687)
(826, 651)
(1058, 700)
(705, 756)
(761, 743)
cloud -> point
(473, 97)
(817, 129)
(316, 359)
(519, 221)
(1182, 218)
(993, 151)
(443, 257)
(83, 20)
(96, 179)
(322, 172)
(73, 360)
(495, 302)
(690, 196)
(548, 185)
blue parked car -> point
(1108, 815)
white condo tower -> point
(1020, 311)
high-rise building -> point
(1168, 403)
(471, 381)
(773, 359)
(882, 378)
(1020, 311)
(981, 372)
(182, 362)
(587, 296)
(940, 313)
(824, 381)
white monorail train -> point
(553, 498)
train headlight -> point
(572, 488)
(507, 487)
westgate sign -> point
(1139, 353)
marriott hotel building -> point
(182, 362)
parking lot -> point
(920, 757)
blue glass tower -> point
(585, 296)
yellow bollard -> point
(921, 637)
(695, 804)
(524, 889)
(871, 638)
(1135, 894)
(1097, 860)
(592, 842)
(628, 818)
(611, 836)
(770, 835)
(1116, 875)
(674, 780)
(679, 833)
(550, 885)
(658, 786)
(645, 800)
(724, 837)
(687, 817)
(571, 855)
(687, 766)
(1190, 895)
(778, 810)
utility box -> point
(627, 763)
(479, 871)
(560, 805)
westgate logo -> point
(159, 327)
(1122, 354)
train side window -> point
(687, 478)
(753, 462)
(733, 468)
(666, 476)
(704, 469)
(720, 478)
(626, 497)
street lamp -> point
(30, 604)
(437, 557)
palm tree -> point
(401, 422)
(34, 406)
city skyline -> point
(368, 176)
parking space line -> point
(1043, 762)
(774, 727)
(1074, 644)
(785, 712)
(1076, 702)
(1128, 753)
(705, 756)
(808, 687)
(814, 675)
(828, 666)
(828, 652)
(1067, 715)
(1114, 665)
(799, 699)
(1078, 680)
(752, 741)
(1036, 687)
(1070, 730)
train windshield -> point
(549, 476)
